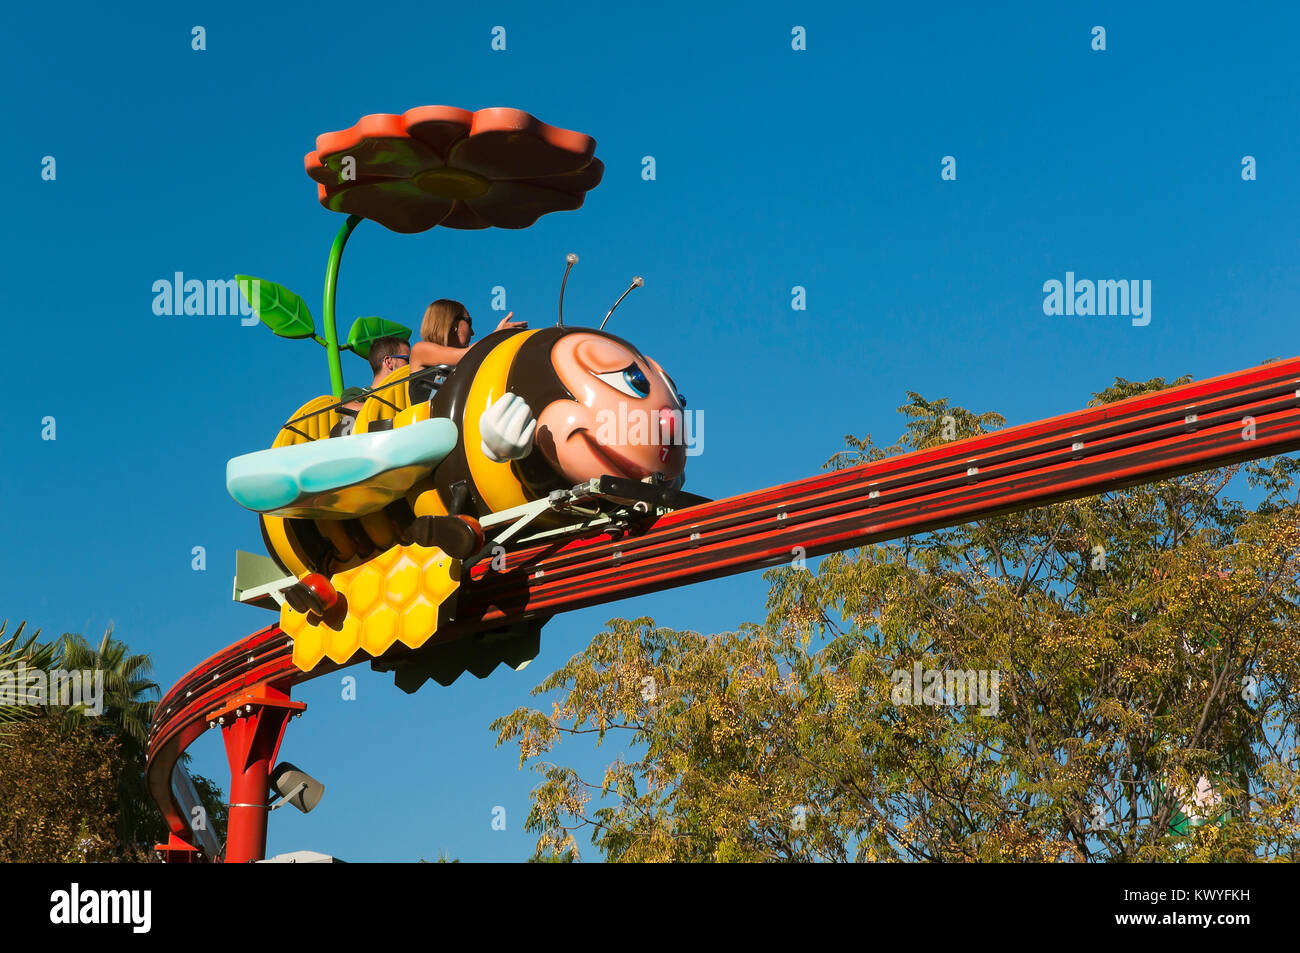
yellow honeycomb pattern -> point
(394, 597)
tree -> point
(1084, 669)
(17, 652)
(128, 686)
(127, 709)
(58, 793)
(57, 786)
(74, 739)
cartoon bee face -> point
(625, 418)
(601, 407)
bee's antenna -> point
(572, 260)
(637, 282)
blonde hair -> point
(439, 319)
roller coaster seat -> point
(385, 403)
(316, 425)
(428, 384)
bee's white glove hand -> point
(507, 429)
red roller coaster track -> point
(245, 688)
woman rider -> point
(445, 334)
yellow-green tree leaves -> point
(1112, 678)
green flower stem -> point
(331, 286)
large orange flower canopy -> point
(439, 165)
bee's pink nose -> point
(668, 426)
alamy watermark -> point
(180, 295)
(77, 906)
(35, 686)
(637, 427)
(950, 687)
(1105, 296)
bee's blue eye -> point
(637, 380)
(630, 380)
(681, 399)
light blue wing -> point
(340, 476)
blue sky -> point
(775, 168)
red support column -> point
(252, 726)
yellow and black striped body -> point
(516, 362)
(328, 546)
(466, 482)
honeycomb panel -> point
(379, 629)
(395, 597)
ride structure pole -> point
(331, 288)
(252, 726)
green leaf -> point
(366, 331)
(277, 307)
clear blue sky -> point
(775, 168)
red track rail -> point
(1182, 429)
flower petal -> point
(519, 204)
(332, 181)
(397, 204)
(379, 144)
(573, 183)
(438, 127)
(511, 144)
(462, 216)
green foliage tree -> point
(129, 689)
(129, 698)
(58, 792)
(17, 651)
(121, 731)
(1146, 642)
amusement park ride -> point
(442, 533)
